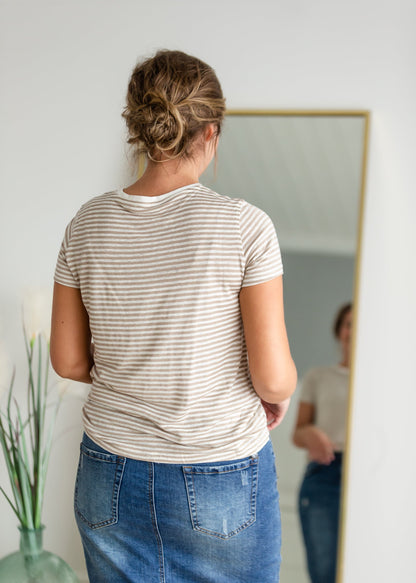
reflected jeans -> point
(169, 523)
(319, 500)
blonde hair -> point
(171, 98)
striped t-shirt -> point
(327, 389)
(160, 279)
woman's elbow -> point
(276, 388)
(75, 371)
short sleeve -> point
(261, 251)
(308, 392)
(65, 272)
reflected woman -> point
(320, 429)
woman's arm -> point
(310, 437)
(271, 365)
(70, 349)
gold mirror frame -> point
(365, 114)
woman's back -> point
(160, 278)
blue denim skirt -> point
(169, 523)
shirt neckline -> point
(151, 200)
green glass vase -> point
(34, 565)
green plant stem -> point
(10, 502)
(27, 442)
(24, 462)
(12, 456)
(43, 458)
(38, 417)
(10, 470)
(24, 483)
(29, 346)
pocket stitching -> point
(100, 455)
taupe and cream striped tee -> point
(160, 278)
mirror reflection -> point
(306, 171)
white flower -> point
(37, 308)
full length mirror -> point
(306, 170)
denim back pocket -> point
(222, 499)
(97, 487)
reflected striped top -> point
(160, 278)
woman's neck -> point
(162, 177)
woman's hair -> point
(339, 318)
(171, 98)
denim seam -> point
(154, 523)
(118, 476)
(256, 470)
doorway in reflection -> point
(306, 170)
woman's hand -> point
(318, 444)
(275, 412)
(309, 436)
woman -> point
(177, 287)
(320, 429)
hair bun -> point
(163, 126)
(171, 97)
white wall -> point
(64, 68)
